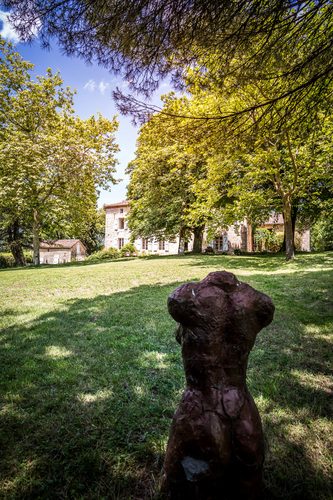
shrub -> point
(267, 240)
(6, 260)
(128, 250)
(106, 254)
(28, 256)
(322, 233)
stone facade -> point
(237, 236)
(117, 233)
(302, 238)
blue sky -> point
(94, 87)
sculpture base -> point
(216, 447)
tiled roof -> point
(123, 203)
(59, 244)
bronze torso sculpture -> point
(216, 447)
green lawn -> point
(91, 375)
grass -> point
(91, 375)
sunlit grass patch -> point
(54, 352)
(101, 395)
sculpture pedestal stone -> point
(216, 447)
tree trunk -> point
(15, 245)
(288, 230)
(35, 238)
(181, 241)
(294, 212)
(17, 253)
(249, 243)
(283, 246)
(197, 240)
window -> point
(161, 245)
(120, 243)
(218, 244)
(144, 243)
(121, 223)
(221, 244)
(121, 210)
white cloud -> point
(91, 85)
(103, 87)
(7, 31)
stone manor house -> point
(238, 236)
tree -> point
(14, 75)
(91, 233)
(51, 162)
(146, 40)
(13, 237)
(284, 166)
(276, 173)
(161, 188)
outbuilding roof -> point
(60, 243)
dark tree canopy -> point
(145, 40)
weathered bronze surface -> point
(216, 447)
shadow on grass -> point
(88, 393)
(264, 262)
(83, 263)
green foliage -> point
(267, 240)
(128, 250)
(28, 256)
(163, 178)
(107, 254)
(265, 167)
(6, 260)
(51, 162)
(252, 40)
(322, 233)
(90, 231)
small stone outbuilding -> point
(62, 251)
